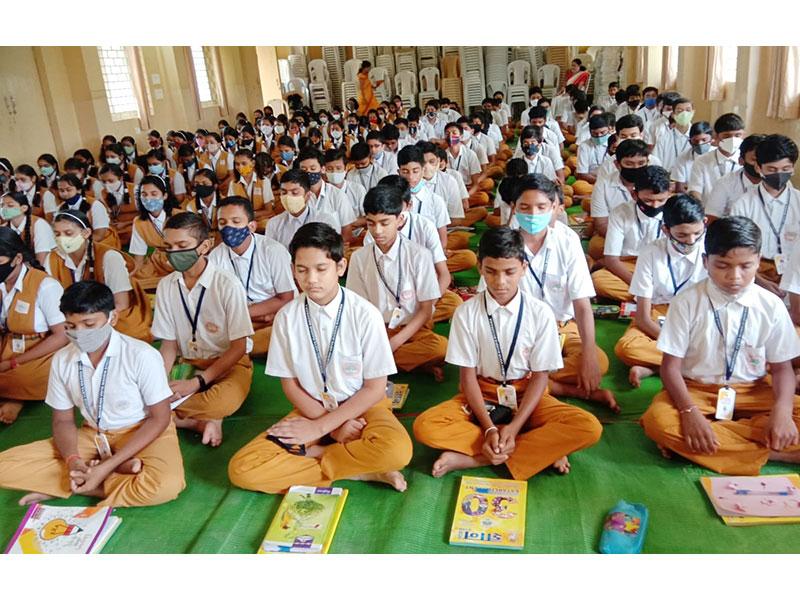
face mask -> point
(24, 186)
(234, 236)
(534, 101)
(751, 170)
(455, 140)
(153, 143)
(294, 204)
(113, 161)
(353, 127)
(336, 116)
(9, 212)
(533, 224)
(230, 143)
(466, 134)
(112, 187)
(630, 175)
(323, 120)
(313, 125)
(153, 204)
(531, 150)
(70, 243)
(279, 129)
(129, 150)
(212, 148)
(287, 156)
(777, 181)
(684, 247)
(89, 340)
(313, 178)
(412, 130)
(183, 260)
(684, 119)
(633, 104)
(431, 116)
(266, 130)
(428, 170)
(73, 200)
(730, 145)
(336, 177)
(246, 144)
(156, 169)
(245, 170)
(403, 134)
(204, 191)
(601, 140)
(650, 102)
(650, 211)
(47, 170)
(5, 270)
(418, 188)
(336, 134)
(701, 148)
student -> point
(251, 178)
(790, 283)
(114, 154)
(774, 205)
(433, 124)
(674, 141)
(632, 101)
(6, 171)
(531, 141)
(120, 199)
(385, 155)
(397, 276)
(364, 170)
(125, 453)
(336, 175)
(261, 265)
(450, 188)
(48, 173)
(630, 158)
(660, 126)
(203, 200)
(147, 234)
(463, 193)
(648, 111)
(40, 199)
(737, 184)
(515, 170)
(157, 165)
(465, 161)
(201, 313)
(629, 127)
(551, 147)
(465, 126)
(187, 166)
(33, 326)
(720, 338)
(591, 153)
(295, 198)
(94, 208)
(708, 169)
(79, 165)
(631, 226)
(78, 258)
(217, 159)
(700, 138)
(493, 352)
(331, 352)
(324, 197)
(664, 269)
(608, 101)
(35, 233)
(477, 122)
(582, 127)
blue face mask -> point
(313, 178)
(701, 148)
(230, 143)
(156, 169)
(650, 102)
(533, 224)
(418, 188)
(153, 204)
(601, 140)
(287, 156)
(234, 236)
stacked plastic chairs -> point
(405, 84)
(429, 85)
(406, 60)
(547, 77)
(334, 57)
(385, 60)
(473, 78)
(364, 53)
(496, 60)
(427, 56)
(452, 84)
(519, 81)
(384, 91)
(297, 66)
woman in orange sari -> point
(366, 89)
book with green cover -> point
(306, 520)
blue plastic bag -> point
(624, 529)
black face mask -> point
(777, 181)
(203, 191)
(634, 104)
(751, 171)
(650, 211)
(5, 270)
(630, 175)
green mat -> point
(565, 513)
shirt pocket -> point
(352, 367)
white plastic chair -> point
(297, 86)
(386, 61)
(384, 90)
(405, 85)
(429, 85)
(406, 61)
(351, 70)
(548, 76)
(318, 71)
(320, 97)
(297, 66)
(279, 106)
(364, 53)
(497, 86)
(427, 56)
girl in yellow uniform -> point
(78, 258)
(69, 191)
(119, 197)
(252, 180)
(36, 234)
(204, 200)
(32, 325)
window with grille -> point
(730, 56)
(204, 76)
(117, 79)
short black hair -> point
(598, 122)
(652, 178)
(286, 140)
(410, 154)
(383, 200)
(86, 297)
(537, 112)
(321, 236)
(531, 132)
(629, 148)
(629, 121)
(681, 209)
(502, 242)
(426, 147)
(751, 142)
(774, 148)
(515, 168)
(535, 181)
(359, 151)
(400, 183)
(245, 203)
(389, 132)
(192, 222)
(297, 176)
(699, 128)
(613, 84)
(310, 153)
(728, 122)
(728, 233)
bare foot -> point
(438, 374)
(666, 452)
(454, 461)
(607, 398)
(9, 411)
(212, 432)
(560, 389)
(392, 478)
(33, 497)
(562, 465)
(132, 466)
(637, 373)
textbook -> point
(181, 370)
(490, 513)
(306, 520)
(398, 393)
(759, 500)
(64, 530)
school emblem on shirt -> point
(407, 295)
(351, 367)
(212, 327)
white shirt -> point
(690, 333)
(419, 283)
(682, 169)
(495, 133)
(446, 186)
(622, 110)
(790, 281)
(264, 269)
(354, 192)
(41, 231)
(213, 159)
(590, 157)
(466, 163)
(361, 352)
(422, 231)
(223, 316)
(283, 227)
(178, 184)
(751, 206)
(135, 380)
(608, 194)
(540, 164)
(582, 133)
(331, 200)
(648, 115)
(430, 205)
(670, 146)
(138, 247)
(629, 230)
(653, 276)
(727, 191)
(387, 162)
(655, 129)
(46, 312)
(462, 189)
(548, 148)
(48, 199)
(471, 344)
(367, 177)
(115, 272)
(708, 169)
(489, 145)
(477, 148)
(97, 211)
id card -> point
(661, 319)
(780, 263)
(328, 401)
(507, 396)
(194, 347)
(726, 401)
(102, 445)
(394, 321)
(17, 345)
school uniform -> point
(208, 212)
(368, 177)
(331, 200)
(779, 221)
(623, 110)
(387, 161)
(282, 227)
(354, 193)
(582, 132)
(554, 429)
(590, 157)
(608, 168)
(709, 168)
(606, 102)
(661, 274)
(629, 230)
(727, 191)
(692, 333)
(478, 149)
(400, 279)
(682, 169)
(607, 194)
(466, 163)
(218, 305)
(541, 165)
(110, 267)
(264, 270)
(361, 352)
(257, 190)
(446, 186)
(41, 233)
(146, 234)
(655, 129)
(433, 129)
(790, 282)
(495, 133)
(121, 205)
(221, 163)
(648, 115)
(670, 145)
(549, 149)
(41, 201)
(131, 378)
(27, 313)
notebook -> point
(64, 530)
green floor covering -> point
(564, 515)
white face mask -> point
(730, 145)
(465, 135)
(266, 130)
(70, 243)
(24, 186)
(336, 134)
(112, 187)
(279, 129)
(336, 177)
(89, 340)
(428, 171)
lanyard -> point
(504, 363)
(776, 232)
(193, 321)
(399, 271)
(249, 268)
(101, 395)
(741, 180)
(722, 169)
(410, 223)
(729, 366)
(156, 227)
(458, 164)
(323, 368)
(675, 285)
(544, 271)
(636, 210)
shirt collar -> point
(248, 254)
(783, 197)
(205, 277)
(301, 217)
(20, 278)
(720, 299)
(512, 307)
(113, 349)
(393, 250)
(330, 309)
(692, 257)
